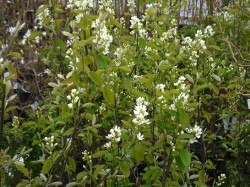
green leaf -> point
(138, 152)
(15, 54)
(124, 167)
(29, 123)
(34, 35)
(23, 183)
(12, 69)
(61, 44)
(41, 9)
(189, 78)
(114, 21)
(215, 47)
(47, 166)
(22, 169)
(200, 184)
(88, 105)
(216, 77)
(58, 10)
(72, 163)
(99, 154)
(97, 170)
(179, 163)
(95, 77)
(101, 61)
(72, 184)
(194, 177)
(57, 183)
(82, 43)
(10, 108)
(108, 95)
(185, 157)
(65, 33)
(183, 118)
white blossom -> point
(140, 137)
(160, 87)
(115, 134)
(103, 37)
(140, 112)
(196, 131)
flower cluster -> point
(140, 136)
(195, 46)
(42, 16)
(50, 145)
(160, 87)
(228, 17)
(140, 112)
(137, 26)
(102, 108)
(120, 54)
(113, 136)
(73, 98)
(132, 6)
(172, 146)
(221, 179)
(196, 131)
(80, 5)
(15, 122)
(170, 34)
(182, 98)
(86, 157)
(106, 5)
(103, 37)
(25, 37)
(208, 31)
(11, 30)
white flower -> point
(140, 112)
(115, 134)
(106, 5)
(11, 30)
(107, 145)
(208, 31)
(140, 136)
(198, 34)
(131, 4)
(70, 105)
(103, 37)
(160, 87)
(21, 159)
(196, 131)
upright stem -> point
(164, 175)
(2, 113)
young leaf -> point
(47, 166)
(61, 44)
(96, 77)
(139, 152)
(183, 118)
(41, 9)
(125, 168)
(15, 54)
(108, 95)
(22, 169)
(185, 157)
(34, 35)
(99, 154)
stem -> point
(2, 114)
(164, 175)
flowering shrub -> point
(133, 102)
